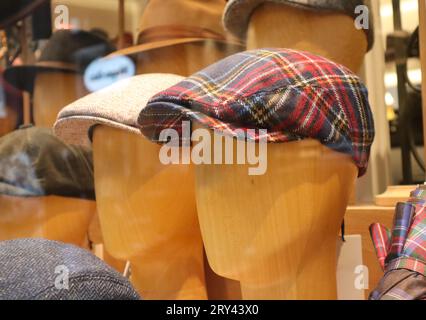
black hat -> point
(12, 11)
(38, 269)
(34, 162)
(67, 51)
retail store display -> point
(178, 37)
(55, 79)
(307, 27)
(147, 214)
(262, 251)
(401, 252)
(36, 269)
(46, 187)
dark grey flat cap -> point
(34, 162)
(237, 13)
(37, 269)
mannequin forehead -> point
(332, 35)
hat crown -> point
(75, 47)
(34, 162)
(205, 14)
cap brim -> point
(22, 77)
(237, 14)
(78, 129)
(135, 50)
(117, 106)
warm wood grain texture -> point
(9, 122)
(422, 26)
(358, 220)
(393, 195)
(52, 92)
(183, 59)
(148, 216)
(186, 59)
(95, 237)
(51, 217)
(333, 36)
(276, 233)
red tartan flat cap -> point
(292, 94)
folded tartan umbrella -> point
(402, 252)
(38, 269)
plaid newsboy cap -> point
(292, 94)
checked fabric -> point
(292, 94)
(402, 251)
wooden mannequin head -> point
(50, 217)
(182, 59)
(268, 230)
(147, 212)
(331, 35)
(52, 92)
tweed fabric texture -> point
(34, 162)
(37, 269)
(292, 94)
(237, 13)
(116, 106)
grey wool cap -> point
(38, 269)
(237, 13)
(34, 162)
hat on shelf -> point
(12, 11)
(292, 94)
(116, 106)
(170, 22)
(34, 162)
(66, 51)
(237, 13)
(38, 269)
(401, 251)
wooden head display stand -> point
(51, 217)
(52, 92)
(147, 210)
(276, 233)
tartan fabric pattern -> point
(292, 94)
(402, 251)
(406, 247)
(380, 236)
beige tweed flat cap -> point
(118, 106)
